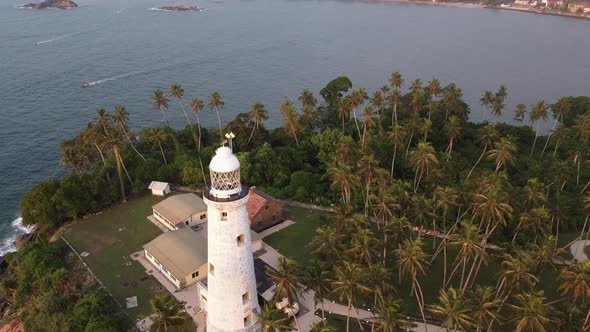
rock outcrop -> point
(57, 4)
(179, 8)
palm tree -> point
(534, 223)
(367, 167)
(315, 276)
(357, 99)
(498, 102)
(343, 108)
(257, 114)
(487, 137)
(396, 81)
(433, 88)
(530, 312)
(368, 122)
(575, 281)
(158, 136)
(167, 312)
(453, 309)
(341, 176)
(484, 306)
(307, 99)
(503, 153)
(308, 118)
(389, 318)
(487, 100)
(177, 92)
(378, 103)
(215, 103)
(286, 279)
(348, 285)
(416, 96)
(397, 136)
(322, 326)
(520, 112)
(290, 118)
(413, 262)
(538, 112)
(445, 198)
(469, 249)
(160, 102)
(422, 159)
(197, 106)
(120, 118)
(515, 274)
(272, 320)
(454, 131)
(425, 128)
(560, 109)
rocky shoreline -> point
(56, 4)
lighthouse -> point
(232, 299)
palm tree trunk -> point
(393, 159)
(394, 111)
(548, 139)
(163, 156)
(165, 118)
(251, 134)
(485, 147)
(184, 111)
(120, 175)
(130, 143)
(409, 143)
(294, 134)
(219, 123)
(199, 127)
(356, 123)
(420, 302)
(535, 140)
(348, 316)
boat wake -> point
(97, 82)
(17, 228)
(57, 38)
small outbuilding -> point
(159, 188)
(264, 210)
(180, 211)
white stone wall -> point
(233, 273)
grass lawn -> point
(338, 322)
(110, 237)
(293, 240)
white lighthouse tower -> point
(231, 284)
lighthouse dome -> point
(224, 169)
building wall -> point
(163, 220)
(202, 274)
(270, 214)
(231, 269)
(195, 219)
(163, 270)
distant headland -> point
(57, 4)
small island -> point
(57, 4)
(180, 8)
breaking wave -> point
(16, 228)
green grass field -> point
(293, 241)
(110, 238)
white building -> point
(180, 211)
(159, 188)
(231, 282)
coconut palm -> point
(120, 117)
(445, 198)
(433, 88)
(257, 114)
(197, 106)
(397, 136)
(348, 285)
(520, 112)
(342, 177)
(416, 96)
(487, 136)
(413, 262)
(422, 159)
(534, 223)
(575, 281)
(315, 276)
(167, 312)
(367, 169)
(515, 273)
(177, 92)
(215, 103)
(270, 319)
(453, 309)
(389, 318)
(307, 99)
(425, 129)
(503, 153)
(498, 102)
(357, 99)
(582, 127)
(308, 118)
(160, 102)
(454, 131)
(290, 118)
(468, 245)
(286, 279)
(560, 109)
(343, 108)
(378, 103)
(484, 306)
(487, 100)
(322, 326)
(530, 312)
(368, 122)
(538, 113)
(157, 136)
(395, 232)
(396, 81)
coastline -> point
(480, 5)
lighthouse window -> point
(241, 240)
(245, 297)
(223, 215)
(248, 320)
(195, 274)
(211, 268)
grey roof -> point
(181, 252)
(157, 185)
(178, 208)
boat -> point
(85, 84)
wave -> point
(57, 38)
(169, 10)
(129, 74)
(17, 228)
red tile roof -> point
(257, 201)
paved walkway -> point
(190, 295)
(275, 228)
(306, 300)
(577, 250)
